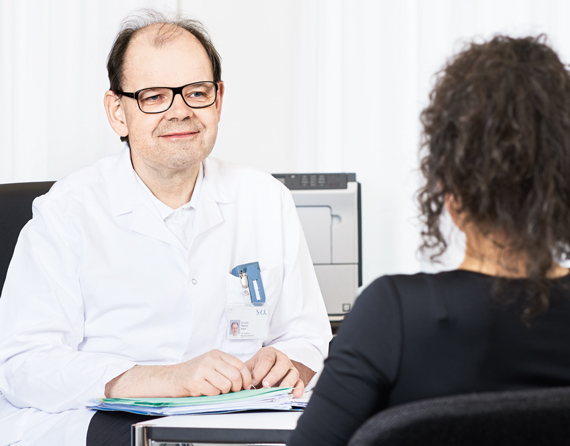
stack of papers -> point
(301, 403)
(274, 398)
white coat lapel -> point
(213, 193)
(147, 221)
(208, 214)
(127, 197)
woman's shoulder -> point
(406, 283)
(425, 293)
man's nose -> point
(179, 109)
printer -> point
(328, 205)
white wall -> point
(52, 79)
(341, 84)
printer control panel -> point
(315, 181)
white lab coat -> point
(98, 283)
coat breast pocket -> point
(234, 343)
(236, 294)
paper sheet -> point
(274, 398)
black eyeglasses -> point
(159, 99)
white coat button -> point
(184, 234)
(177, 216)
(194, 281)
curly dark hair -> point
(496, 137)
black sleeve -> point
(359, 372)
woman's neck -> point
(484, 254)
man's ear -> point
(220, 98)
(116, 114)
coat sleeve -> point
(42, 319)
(299, 326)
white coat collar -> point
(123, 183)
(126, 197)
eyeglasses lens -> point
(157, 100)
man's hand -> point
(269, 368)
(212, 373)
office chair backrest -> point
(15, 211)
(524, 417)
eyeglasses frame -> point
(175, 91)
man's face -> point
(235, 329)
(180, 137)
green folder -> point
(242, 395)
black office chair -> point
(15, 211)
(514, 418)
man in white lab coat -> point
(121, 284)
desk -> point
(244, 428)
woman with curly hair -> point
(496, 156)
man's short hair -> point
(133, 24)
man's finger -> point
(280, 368)
(241, 368)
(232, 374)
(246, 379)
(204, 388)
(291, 378)
(261, 363)
(299, 389)
(232, 360)
(219, 381)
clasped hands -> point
(217, 372)
(210, 374)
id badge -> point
(247, 322)
(250, 319)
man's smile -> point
(179, 135)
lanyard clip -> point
(244, 282)
(250, 277)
